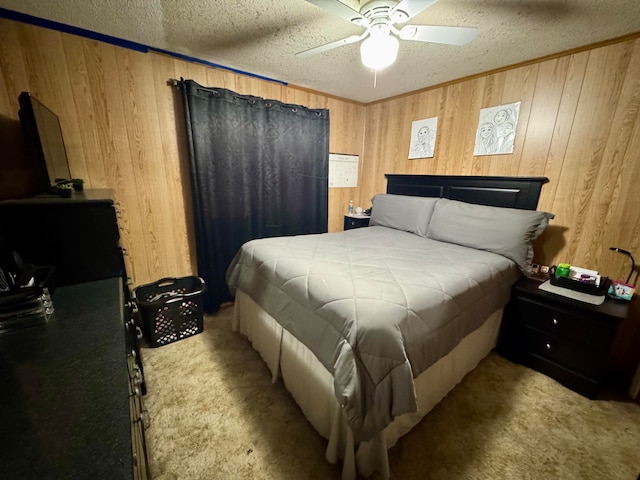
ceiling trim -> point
(119, 42)
(52, 25)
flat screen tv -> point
(43, 137)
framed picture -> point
(496, 132)
(423, 138)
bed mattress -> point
(376, 306)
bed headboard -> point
(511, 192)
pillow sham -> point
(402, 212)
(505, 231)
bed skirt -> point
(311, 385)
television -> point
(44, 141)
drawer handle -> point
(137, 375)
(353, 222)
(555, 322)
(548, 346)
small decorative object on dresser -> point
(563, 338)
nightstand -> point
(355, 221)
(563, 338)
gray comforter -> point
(377, 306)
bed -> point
(370, 328)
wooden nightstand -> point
(563, 338)
(356, 221)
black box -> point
(170, 309)
(579, 286)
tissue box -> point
(621, 291)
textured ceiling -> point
(262, 36)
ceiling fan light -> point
(379, 51)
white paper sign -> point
(343, 170)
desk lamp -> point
(633, 263)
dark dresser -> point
(77, 235)
(65, 402)
(71, 390)
(563, 338)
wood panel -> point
(123, 126)
(579, 126)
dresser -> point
(563, 338)
(72, 401)
(79, 236)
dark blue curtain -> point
(259, 168)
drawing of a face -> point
(486, 129)
(501, 116)
(507, 129)
(423, 134)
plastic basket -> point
(170, 309)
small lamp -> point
(633, 263)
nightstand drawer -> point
(573, 356)
(582, 329)
(570, 379)
(355, 221)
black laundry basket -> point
(170, 309)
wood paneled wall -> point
(579, 126)
(123, 128)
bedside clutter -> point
(564, 338)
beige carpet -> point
(216, 415)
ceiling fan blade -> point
(338, 8)
(435, 34)
(332, 45)
(407, 9)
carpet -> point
(216, 415)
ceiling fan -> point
(380, 46)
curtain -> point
(259, 168)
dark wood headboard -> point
(511, 192)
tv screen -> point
(43, 136)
